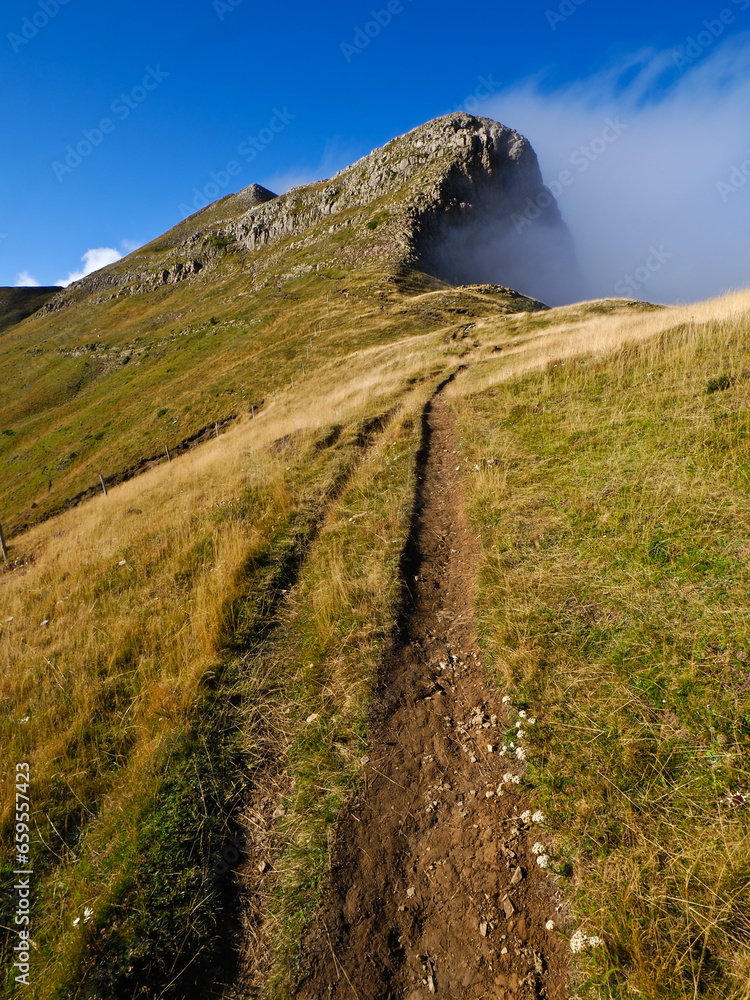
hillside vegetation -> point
(191, 658)
(611, 491)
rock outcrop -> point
(461, 198)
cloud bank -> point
(92, 261)
(650, 163)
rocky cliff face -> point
(461, 198)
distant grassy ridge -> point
(18, 303)
(612, 499)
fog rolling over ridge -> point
(658, 205)
(496, 222)
(534, 256)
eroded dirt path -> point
(434, 888)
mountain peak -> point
(460, 198)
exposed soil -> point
(434, 889)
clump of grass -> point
(611, 500)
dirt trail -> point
(434, 889)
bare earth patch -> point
(434, 888)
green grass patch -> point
(612, 504)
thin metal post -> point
(292, 381)
(101, 480)
(169, 457)
(274, 395)
(303, 367)
(216, 427)
(253, 409)
(2, 544)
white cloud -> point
(130, 245)
(26, 280)
(656, 186)
(92, 261)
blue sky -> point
(118, 116)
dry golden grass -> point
(121, 610)
(570, 331)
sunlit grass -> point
(612, 502)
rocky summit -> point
(461, 199)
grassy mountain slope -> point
(202, 641)
(611, 493)
(186, 664)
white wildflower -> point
(538, 817)
(542, 860)
(531, 722)
(26, 719)
(87, 914)
(526, 816)
(581, 942)
(506, 699)
(522, 714)
(77, 921)
(550, 925)
(578, 942)
(520, 734)
(538, 848)
(520, 753)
